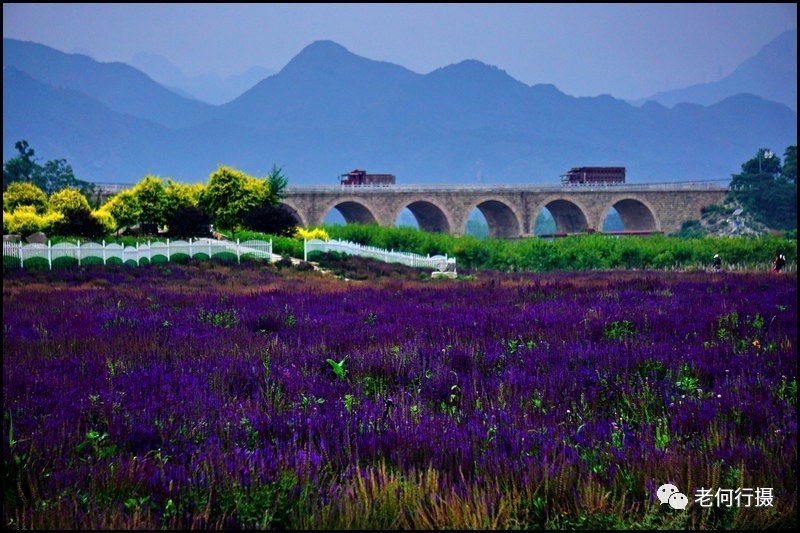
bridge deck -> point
(671, 186)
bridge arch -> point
(430, 216)
(502, 219)
(295, 213)
(569, 215)
(636, 214)
(353, 211)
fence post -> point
(209, 249)
(49, 255)
(190, 247)
(305, 250)
(104, 251)
(238, 252)
(21, 259)
(168, 251)
(270, 251)
(79, 252)
(138, 255)
(149, 252)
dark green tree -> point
(272, 219)
(54, 176)
(20, 168)
(276, 184)
(188, 221)
(57, 175)
(80, 223)
(764, 188)
(789, 171)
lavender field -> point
(206, 396)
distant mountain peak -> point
(328, 61)
(469, 67)
(321, 52)
(326, 46)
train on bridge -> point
(576, 176)
(358, 177)
(594, 176)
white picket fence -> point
(207, 247)
(440, 262)
(18, 252)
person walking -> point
(717, 263)
(779, 263)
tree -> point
(276, 185)
(68, 201)
(272, 219)
(124, 209)
(50, 178)
(77, 217)
(24, 193)
(229, 194)
(81, 222)
(789, 171)
(188, 221)
(764, 188)
(182, 195)
(766, 162)
(153, 203)
(56, 175)
(20, 168)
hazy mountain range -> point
(770, 74)
(210, 87)
(329, 111)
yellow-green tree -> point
(21, 193)
(153, 202)
(68, 201)
(105, 220)
(180, 195)
(230, 193)
(124, 208)
(24, 220)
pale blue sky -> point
(626, 50)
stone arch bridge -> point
(510, 211)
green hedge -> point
(577, 252)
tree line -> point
(36, 200)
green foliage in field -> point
(578, 252)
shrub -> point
(275, 220)
(24, 221)
(283, 262)
(188, 221)
(311, 233)
(303, 266)
(80, 223)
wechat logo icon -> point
(670, 494)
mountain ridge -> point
(329, 110)
(771, 73)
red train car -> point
(360, 177)
(594, 176)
